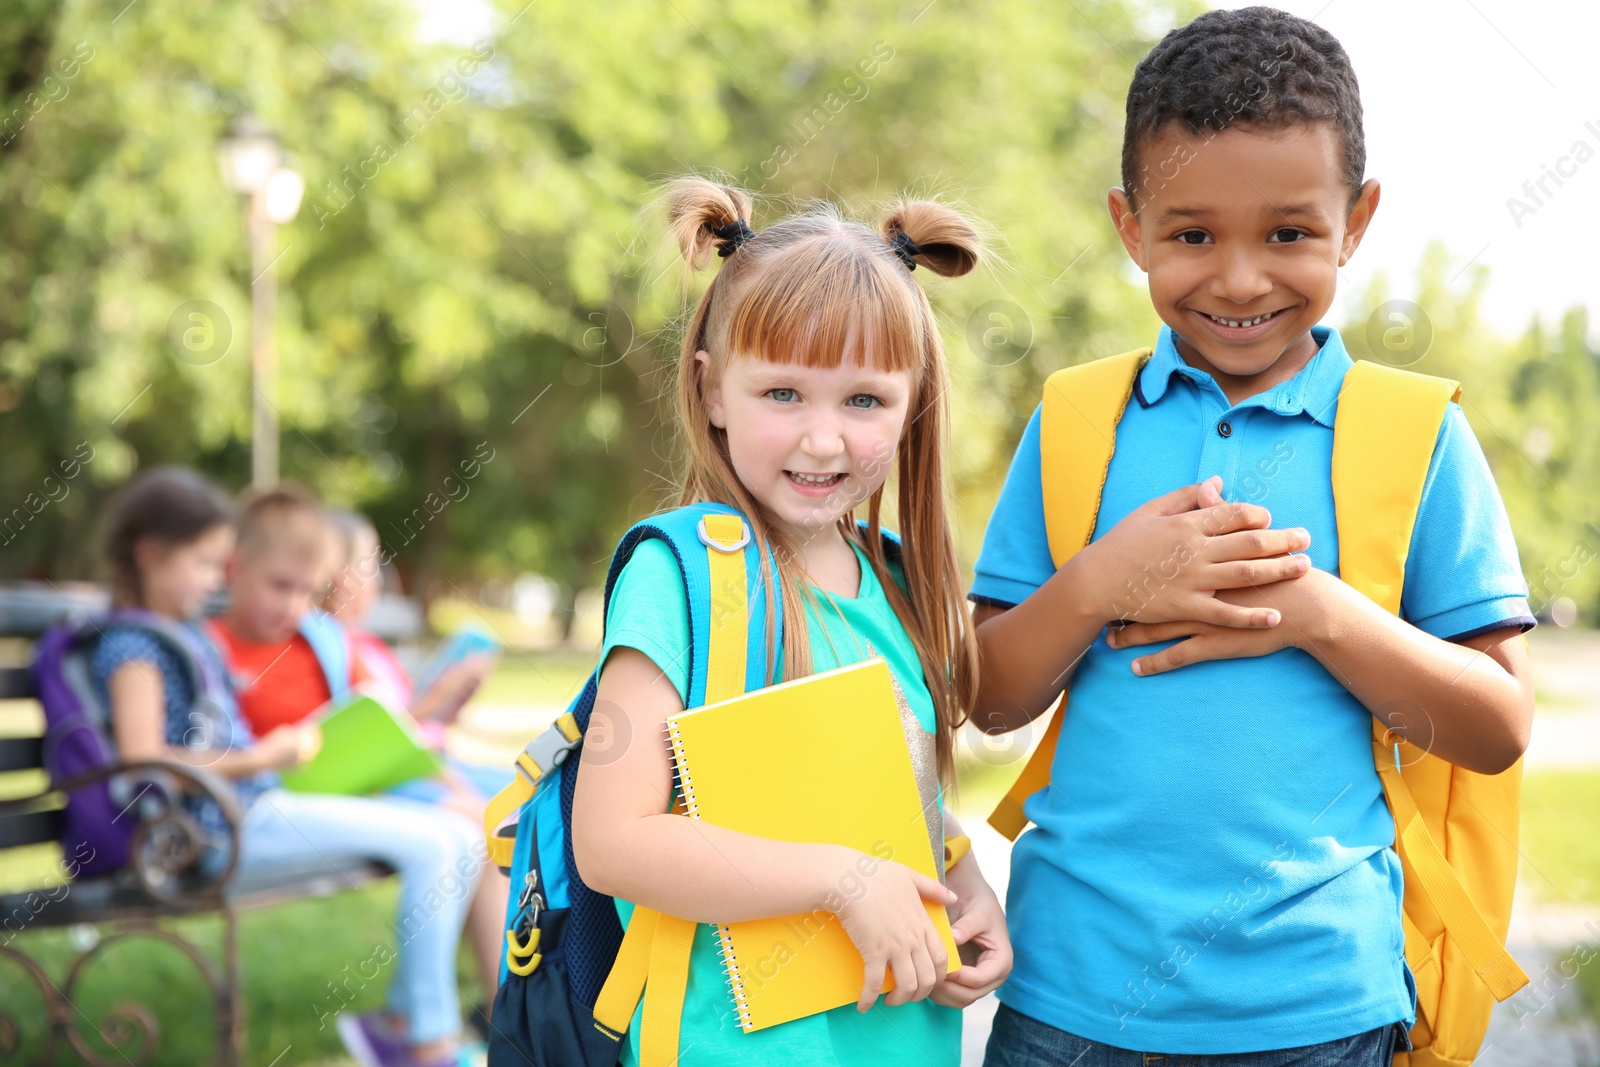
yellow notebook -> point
(823, 759)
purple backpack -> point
(78, 737)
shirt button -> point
(1224, 430)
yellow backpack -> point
(1455, 831)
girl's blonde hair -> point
(805, 291)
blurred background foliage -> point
(475, 272)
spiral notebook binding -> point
(730, 965)
(680, 768)
(691, 807)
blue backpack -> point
(572, 978)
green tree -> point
(471, 241)
(1531, 402)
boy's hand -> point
(1206, 641)
(289, 746)
(978, 924)
(1166, 561)
(891, 929)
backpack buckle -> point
(711, 542)
(548, 750)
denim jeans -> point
(1018, 1040)
(437, 855)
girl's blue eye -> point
(1186, 234)
(781, 395)
(871, 401)
(1294, 237)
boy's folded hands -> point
(1212, 573)
(1168, 560)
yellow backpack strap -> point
(535, 761)
(1077, 435)
(1383, 439)
(613, 1008)
(654, 957)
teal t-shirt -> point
(649, 612)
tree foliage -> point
(477, 311)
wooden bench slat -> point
(31, 828)
(21, 753)
(16, 683)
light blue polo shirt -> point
(1211, 869)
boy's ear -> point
(713, 396)
(1360, 217)
(1127, 224)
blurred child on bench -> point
(352, 594)
(170, 531)
(289, 660)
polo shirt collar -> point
(1314, 390)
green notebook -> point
(367, 747)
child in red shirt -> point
(280, 567)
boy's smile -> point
(1242, 236)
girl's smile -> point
(815, 485)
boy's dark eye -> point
(1193, 237)
(1287, 235)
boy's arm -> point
(1468, 702)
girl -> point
(463, 787)
(352, 594)
(169, 535)
(811, 360)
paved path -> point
(1545, 1025)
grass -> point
(300, 963)
(536, 679)
(1560, 848)
(1589, 983)
(1561, 854)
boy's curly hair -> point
(1257, 66)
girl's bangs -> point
(824, 299)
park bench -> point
(162, 882)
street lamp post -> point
(253, 164)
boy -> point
(281, 565)
(1211, 872)
(279, 568)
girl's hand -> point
(289, 746)
(978, 924)
(889, 925)
(1206, 641)
(1180, 549)
(454, 686)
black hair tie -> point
(735, 234)
(904, 247)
